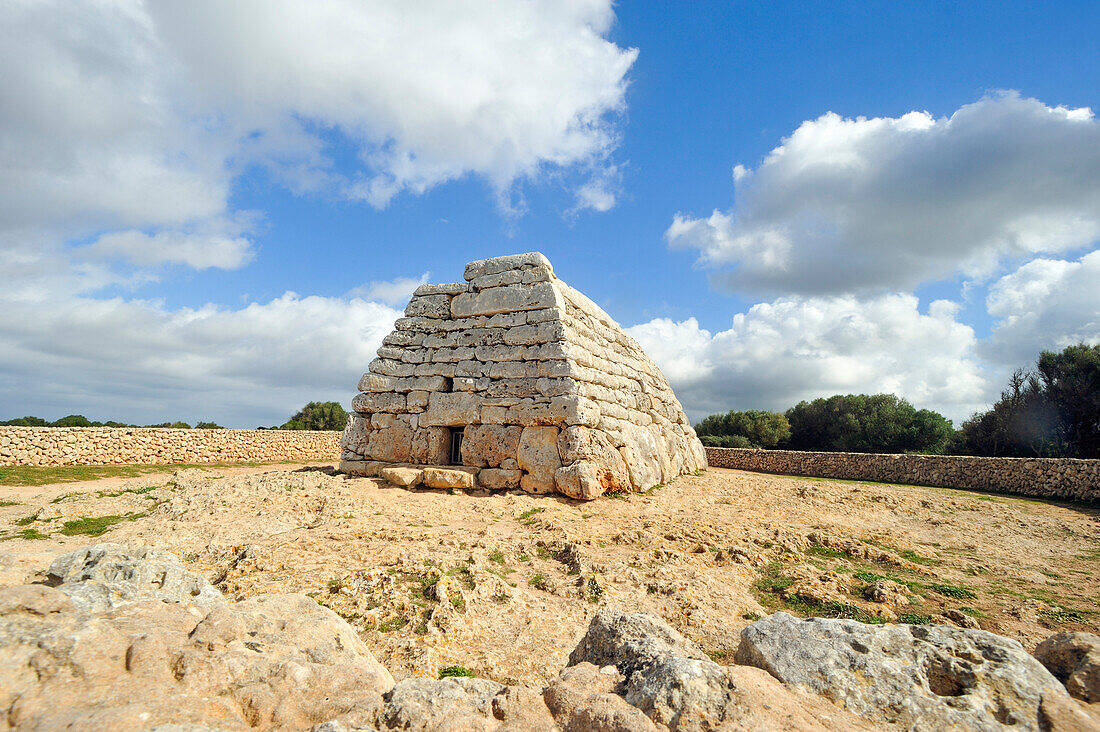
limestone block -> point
(387, 402)
(416, 401)
(482, 267)
(403, 338)
(467, 384)
(513, 370)
(445, 478)
(583, 480)
(520, 388)
(430, 446)
(511, 277)
(377, 382)
(576, 410)
(356, 434)
(499, 479)
(559, 386)
(449, 288)
(471, 369)
(507, 299)
(489, 445)
(641, 452)
(404, 477)
(507, 320)
(581, 444)
(446, 370)
(526, 335)
(392, 444)
(452, 409)
(381, 420)
(453, 355)
(548, 314)
(361, 468)
(509, 464)
(388, 367)
(538, 456)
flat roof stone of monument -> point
(494, 265)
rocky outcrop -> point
(1074, 659)
(927, 677)
(128, 639)
(549, 392)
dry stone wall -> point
(549, 392)
(1048, 477)
(152, 446)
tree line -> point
(1049, 410)
(313, 416)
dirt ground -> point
(504, 584)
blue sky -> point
(216, 212)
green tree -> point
(208, 426)
(73, 420)
(1051, 411)
(881, 423)
(752, 428)
(26, 422)
(318, 416)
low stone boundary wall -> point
(1049, 477)
(157, 446)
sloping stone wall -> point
(1049, 477)
(153, 446)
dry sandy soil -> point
(504, 584)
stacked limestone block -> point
(551, 393)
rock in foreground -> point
(927, 677)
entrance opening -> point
(456, 446)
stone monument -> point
(520, 381)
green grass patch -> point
(26, 520)
(498, 557)
(914, 619)
(915, 558)
(5, 504)
(525, 517)
(96, 525)
(956, 591)
(43, 475)
(1064, 615)
(824, 551)
(26, 534)
(393, 624)
(774, 580)
(456, 672)
(867, 576)
(538, 582)
(458, 602)
(972, 612)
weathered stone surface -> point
(582, 698)
(429, 306)
(508, 299)
(489, 445)
(392, 444)
(404, 477)
(430, 446)
(584, 480)
(499, 479)
(1074, 659)
(537, 454)
(920, 676)
(445, 478)
(449, 288)
(490, 266)
(104, 576)
(368, 402)
(671, 680)
(156, 662)
(576, 444)
(452, 409)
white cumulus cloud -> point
(1047, 304)
(866, 205)
(779, 353)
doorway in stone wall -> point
(456, 445)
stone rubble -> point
(284, 662)
(544, 385)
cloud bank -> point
(886, 204)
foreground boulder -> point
(1074, 659)
(927, 677)
(129, 640)
(671, 680)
